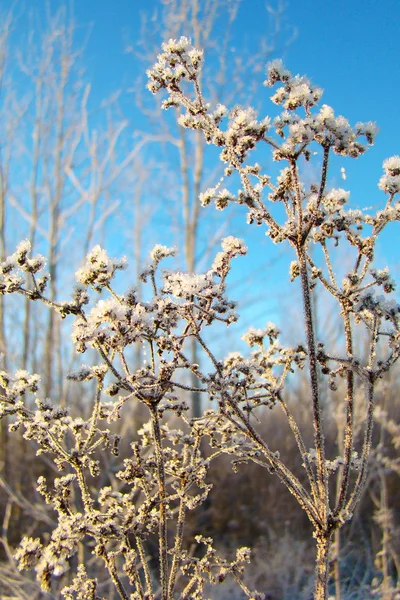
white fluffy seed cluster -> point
(99, 269)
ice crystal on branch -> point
(390, 181)
(178, 60)
(14, 269)
(160, 252)
(99, 269)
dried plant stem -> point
(324, 174)
(336, 566)
(286, 476)
(300, 444)
(145, 567)
(163, 536)
(110, 563)
(314, 384)
(362, 475)
(86, 498)
(178, 544)
(186, 591)
(333, 287)
(324, 542)
(322, 532)
(95, 415)
(241, 584)
(134, 575)
(349, 428)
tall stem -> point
(178, 544)
(337, 538)
(163, 540)
(348, 436)
(324, 543)
(301, 251)
(314, 384)
(112, 569)
(338, 591)
(145, 567)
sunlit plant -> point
(166, 475)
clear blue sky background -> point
(351, 48)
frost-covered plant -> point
(314, 216)
(166, 474)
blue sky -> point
(351, 48)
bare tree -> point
(74, 160)
(7, 139)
